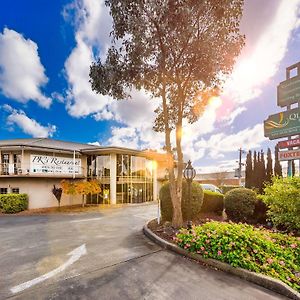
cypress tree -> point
(249, 171)
(269, 171)
(277, 166)
(255, 169)
(262, 172)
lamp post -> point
(189, 174)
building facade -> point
(35, 166)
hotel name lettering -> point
(55, 165)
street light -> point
(189, 174)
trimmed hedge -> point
(227, 188)
(166, 203)
(240, 204)
(13, 203)
(212, 202)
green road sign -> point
(288, 91)
(284, 124)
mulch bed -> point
(166, 231)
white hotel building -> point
(34, 166)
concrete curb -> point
(259, 279)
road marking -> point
(85, 220)
(75, 255)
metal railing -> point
(15, 169)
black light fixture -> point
(189, 174)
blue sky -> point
(46, 48)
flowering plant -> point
(241, 245)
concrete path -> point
(120, 263)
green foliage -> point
(240, 204)
(260, 212)
(166, 203)
(269, 171)
(227, 188)
(277, 165)
(241, 245)
(13, 203)
(212, 202)
(283, 200)
(249, 171)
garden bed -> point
(255, 249)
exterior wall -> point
(39, 191)
(38, 186)
(25, 161)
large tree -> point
(178, 50)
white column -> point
(155, 190)
(113, 179)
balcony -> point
(23, 170)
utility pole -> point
(238, 171)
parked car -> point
(210, 187)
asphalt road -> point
(120, 262)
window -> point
(15, 190)
(3, 190)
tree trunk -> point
(177, 220)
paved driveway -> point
(120, 262)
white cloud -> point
(221, 143)
(21, 72)
(93, 25)
(262, 55)
(28, 125)
(229, 117)
(124, 137)
(221, 166)
(94, 143)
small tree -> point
(82, 188)
(57, 192)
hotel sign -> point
(284, 124)
(289, 155)
(288, 91)
(42, 164)
(289, 143)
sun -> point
(215, 101)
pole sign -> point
(284, 124)
(289, 155)
(288, 91)
(289, 143)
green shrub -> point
(260, 212)
(13, 203)
(166, 203)
(212, 202)
(227, 188)
(240, 204)
(244, 246)
(283, 200)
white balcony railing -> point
(15, 169)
